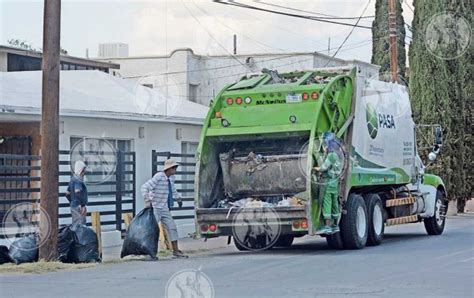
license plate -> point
(293, 98)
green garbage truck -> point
(262, 148)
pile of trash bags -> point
(142, 235)
(76, 244)
(273, 201)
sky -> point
(156, 27)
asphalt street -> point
(408, 263)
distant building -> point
(15, 59)
(199, 78)
(113, 50)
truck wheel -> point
(435, 225)
(335, 241)
(239, 246)
(284, 241)
(376, 220)
(354, 228)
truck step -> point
(400, 201)
(401, 220)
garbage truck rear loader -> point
(262, 148)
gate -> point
(20, 183)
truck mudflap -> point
(214, 222)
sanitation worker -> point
(77, 194)
(331, 169)
(160, 192)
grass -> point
(42, 267)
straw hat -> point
(169, 163)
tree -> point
(440, 90)
(381, 41)
(21, 44)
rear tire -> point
(376, 221)
(335, 241)
(354, 228)
(284, 241)
(435, 225)
(239, 246)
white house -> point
(94, 104)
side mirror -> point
(438, 134)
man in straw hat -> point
(160, 193)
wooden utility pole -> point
(50, 130)
(235, 44)
(392, 28)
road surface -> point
(408, 263)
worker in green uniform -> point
(331, 169)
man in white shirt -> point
(159, 192)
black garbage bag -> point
(24, 250)
(142, 235)
(65, 243)
(4, 257)
(86, 246)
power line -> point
(212, 36)
(348, 35)
(241, 34)
(241, 5)
(326, 16)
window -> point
(193, 92)
(97, 153)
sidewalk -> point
(188, 245)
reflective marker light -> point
(304, 224)
(204, 227)
(230, 101)
(296, 224)
(218, 115)
(305, 96)
(238, 100)
(248, 100)
(314, 95)
(212, 227)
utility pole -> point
(392, 28)
(329, 46)
(50, 130)
(235, 44)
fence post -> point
(118, 190)
(134, 184)
(95, 216)
(153, 162)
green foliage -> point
(21, 44)
(381, 40)
(441, 91)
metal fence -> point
(20, 183)
(184, 182)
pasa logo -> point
(372, 121)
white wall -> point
(3, 62)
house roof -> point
(92, 93)
(63, 58)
